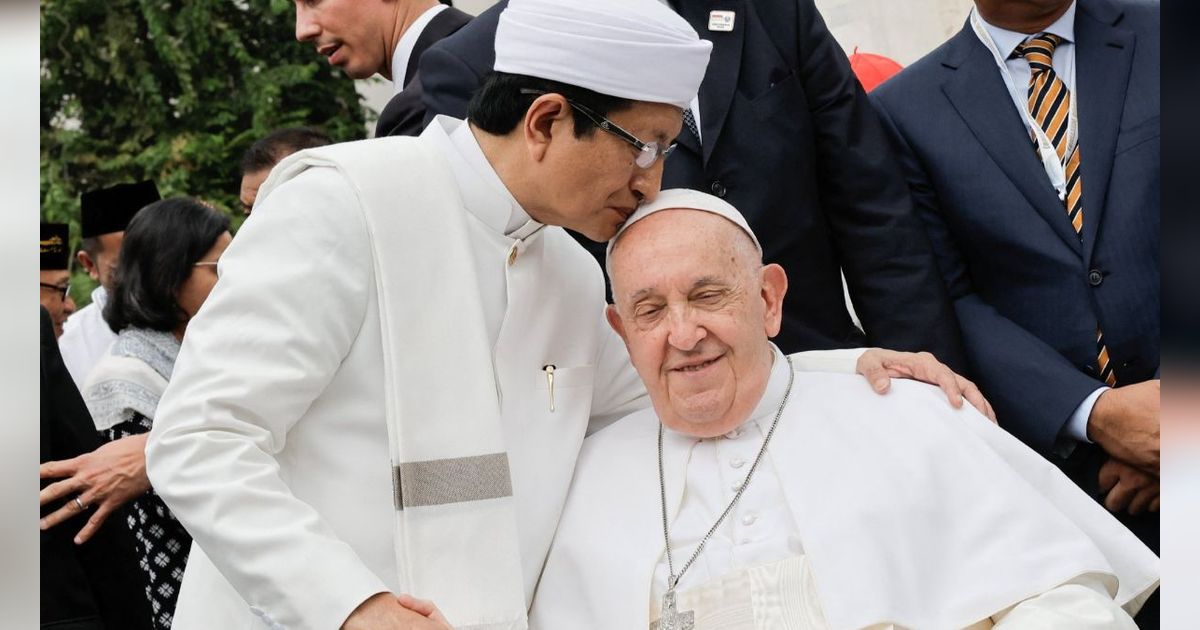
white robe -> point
(270, 445)
(86, 338)
(901, 511)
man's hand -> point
(106, 478)
(1129, 488)
(879, 366)
(384, 611)
(1125, 423)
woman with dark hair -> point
(167, 269)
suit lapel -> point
(720, 81)
(978, 93)
(441, 26)
(1103, 59)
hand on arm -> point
(384, 611)
(106, 479)
(880, 366)
(1125, 423)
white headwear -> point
(634, 49)
(689, 200)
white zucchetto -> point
(686, 199)
(634, 49)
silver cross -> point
(671, 618)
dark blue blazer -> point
(1028, 293)
(790, 139)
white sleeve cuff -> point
(1076, 426)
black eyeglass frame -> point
(62, 290)
(652, 149)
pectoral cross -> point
(671, 618)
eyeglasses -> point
(61, 289)
(648, 152)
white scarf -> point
(456, 538)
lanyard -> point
(1055, 168)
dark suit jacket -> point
(1028, 293)
(96, 585)
(404, 115)
(791, 141)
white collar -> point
(483, 192)
(100, 297)
(1007, 41)
(408, 40)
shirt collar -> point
(1007, 41)
(483, 192)
(100, 297)
(404, 47)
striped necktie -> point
(1050, 105)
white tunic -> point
(866, 511)
(86, 338)
(270, 445)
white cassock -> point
(867, 511)
(271, 444)
(86, 338)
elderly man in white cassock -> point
(753, 495)
(387, 389)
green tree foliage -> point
(174, 91)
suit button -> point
(1095, 277)
(1091, 369)
(718, 189)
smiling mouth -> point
(328, 50)
(696, 367)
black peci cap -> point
(110, 209)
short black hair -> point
(162, 244)
(498, 106)
(91, 245)
(278, 144)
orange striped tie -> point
(1050, 105)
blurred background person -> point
(54, 278)
(265, 153)
(167, 269)
(104, 214)
(93, 586)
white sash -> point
(456, 538)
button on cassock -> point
(512, 254)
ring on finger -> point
(80, 504)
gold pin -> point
(512, 254)
(549, 370)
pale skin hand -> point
(879, 366)
(104, 480)
(384, 611)
(1129, 488)
(1125, 423)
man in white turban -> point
(387, 389)
(752, 495)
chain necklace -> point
(670, 618)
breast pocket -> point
(565, 388)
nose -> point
(683, 331)
(306, 27)
(69, 305)
(646, 182)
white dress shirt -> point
(86, 338)
(408, 40)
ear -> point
(614, 320)
(89, 265)
(550, 114)
(774, 287)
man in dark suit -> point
(1049, 247)
(385, 37)
(787, 135)
(97, 584)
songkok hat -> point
(689, 200)
(56, 249)
(633, 49)
(109, 210)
